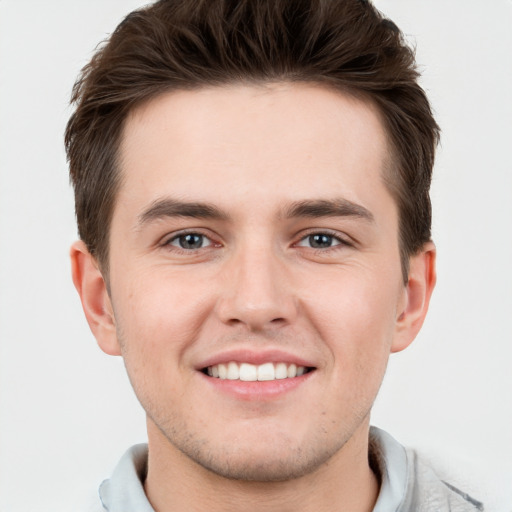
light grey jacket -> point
(407, 484)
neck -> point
(175, 483)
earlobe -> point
(417, 293)
(92, 289)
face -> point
(255, 280)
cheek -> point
(156, 325)
(157, 315)
(355, 316)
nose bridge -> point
(257, 291)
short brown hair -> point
(184, 44)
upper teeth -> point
(251, 372)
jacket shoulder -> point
(428, 493)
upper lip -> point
(255, 357)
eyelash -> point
(334, 236)
(176, 237)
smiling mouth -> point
(251, 373)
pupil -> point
(320, 241)
(191, 241)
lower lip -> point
(257, 390)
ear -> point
(96, 303)
(416, 298)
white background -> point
(67, 412)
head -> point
(181, 45)
(252, 194)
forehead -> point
(256, 140)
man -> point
(251, 182)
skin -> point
(255, 286)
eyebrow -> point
(169, 207)
(328, 208)
(315, 208)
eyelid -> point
(343, 239)
(206, 240)
(170, 237)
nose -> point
(256, 291)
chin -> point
(274, 460)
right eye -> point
(319, 241)
(190, 241)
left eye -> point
(190, 241)
(319, 241)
